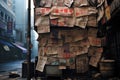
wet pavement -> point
(16, 67)
(11, 67)
(8, 66)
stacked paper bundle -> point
(67, 32)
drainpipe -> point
(29, 42)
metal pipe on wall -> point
(29, 41)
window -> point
(5, 17)
(8, 18)
(12, 19)
(1, 13)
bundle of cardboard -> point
(63, 45)
(66, 13)
(77, 41)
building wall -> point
(20, 9)
(6, 16)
